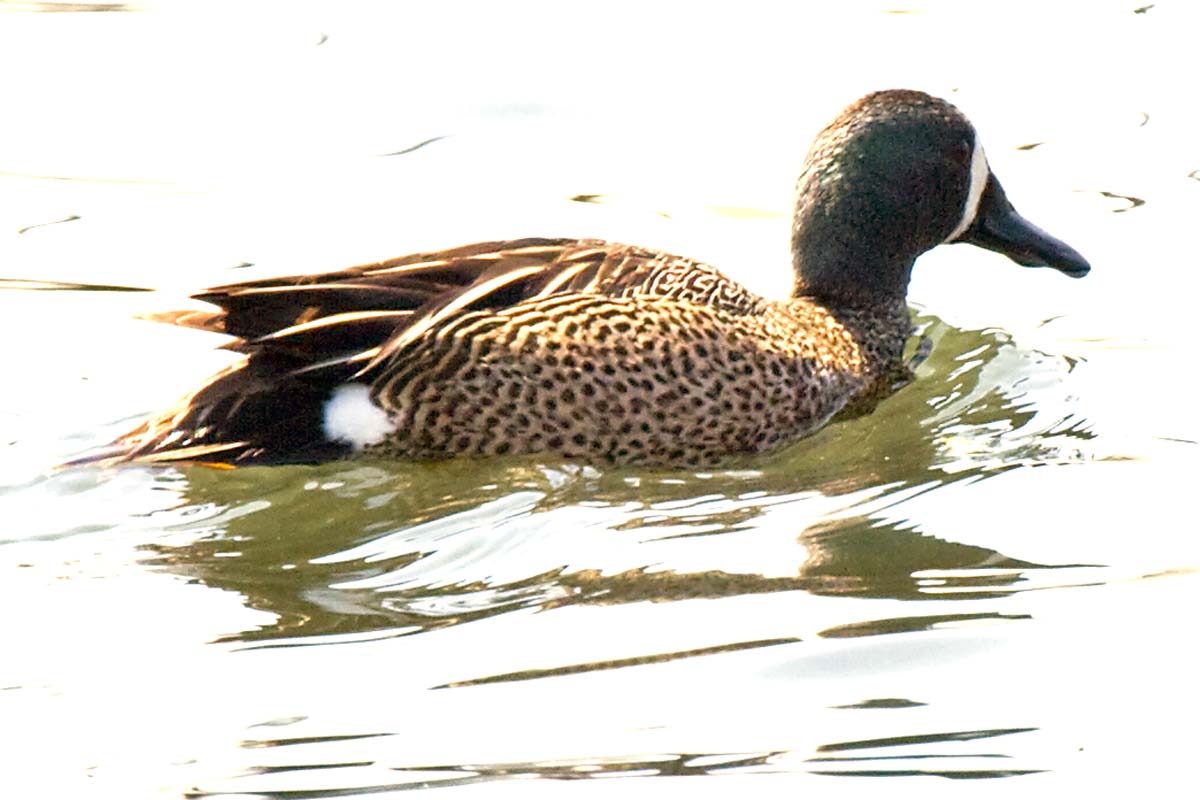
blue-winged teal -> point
(600, 351)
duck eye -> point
(962, 153)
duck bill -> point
(999, 227)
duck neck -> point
(881, 332)
(836, 267)
(846, 283)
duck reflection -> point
(401, 549)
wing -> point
(302, 336)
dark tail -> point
(254, 412)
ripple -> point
(1134, 202)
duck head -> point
(895, 174)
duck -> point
(597, 351)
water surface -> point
(989, 578)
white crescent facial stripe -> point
(979, 178)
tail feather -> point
(254, 412)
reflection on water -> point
(1133, 202)
(877, 758)
(886, 765)
(870, 758)
(469, 577)
(382, 546)
(65, 6)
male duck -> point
(599, 351)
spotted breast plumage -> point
(599, 351)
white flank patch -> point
(352, 418)
(979, 176)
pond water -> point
(993, 576)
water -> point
(991, 577)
